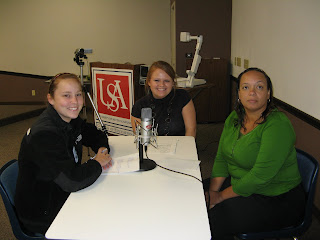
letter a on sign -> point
(113, 96)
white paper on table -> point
(180, 164)
(124, 164)
(164, 146)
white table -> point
(156, 204)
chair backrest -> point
(8, 179)
(308, 167)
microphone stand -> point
(103, 127)
(146, 164)
(80, 54)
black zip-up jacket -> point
(49, 169)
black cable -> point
(186, 174)
(189, 175)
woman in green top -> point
(255, 182)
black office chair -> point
(8, 180)
(308, 167)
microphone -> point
(144, 139)
(146, 126)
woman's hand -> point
(215, 198)
(213, 194)
(134, 122)
(103, 158)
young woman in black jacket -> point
(50, 156)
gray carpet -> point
(11, 134)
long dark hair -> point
(239, 107)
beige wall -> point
(282, 37)
(40, 36)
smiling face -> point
(67, 99)
(253, 92)
(160, 83)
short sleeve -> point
(136, 110)
(184, 97)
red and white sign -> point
(113, 97)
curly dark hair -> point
(239, 107)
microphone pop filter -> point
(146, 113)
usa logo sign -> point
(113, 96)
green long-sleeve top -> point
(263, 161)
